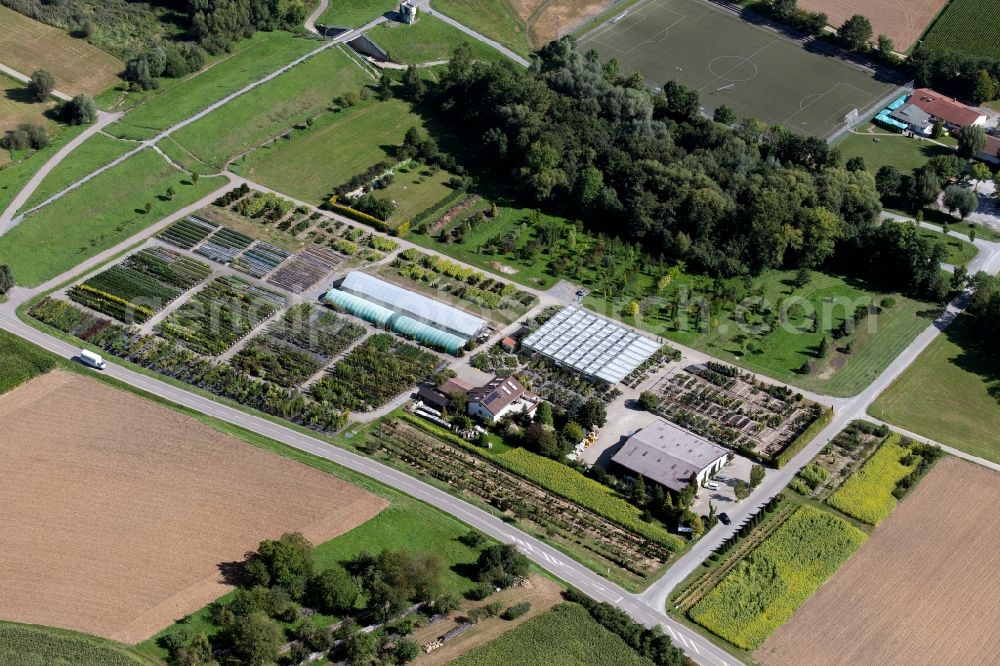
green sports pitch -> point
(750, 67)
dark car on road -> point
(724, 518)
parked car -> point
(712, 485)
(725, 519)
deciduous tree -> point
(80, 110)
(286, 563)
(960, 200)
(41, 85)
(334, 591)
(971, 141)
(856, 32)
(256, 638)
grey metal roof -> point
(416, 306)
(668, 454)
(591, 344)
(911, 114)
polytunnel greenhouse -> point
(427, 335)
(358, 307)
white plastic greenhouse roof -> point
(412, 304)
(591, 345)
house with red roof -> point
(991, 153)
(952, 113)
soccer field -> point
(750, 68)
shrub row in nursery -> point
(319, 331)
(270, 359)
(375, 371)
(563, 481)
(165, 357)
(188, 232)
(131, 292)
(110, 304)
(799, 443)
(169, 267)
(220, 314)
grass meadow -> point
(867, 494)
(33, 645)
(494, 18)
(19, 166)
(177, 99)
(355, 13)
(566, 635)
(314, 160)
(272, 109)
(903, 152)
(92, 154)
(98, 215)
(951, 393)
(427, 40)
(761, 592)
(414, 189)
(960, 251)
(875, 342)
(17, 106)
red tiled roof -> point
(992, 146)
(455, 385)
(945, 108)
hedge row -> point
(807, 436)
(358, 216)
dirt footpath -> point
(922, 590)
(118, 514)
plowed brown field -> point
(550, 19)
(922, 590)
(561, 17)
(901, 20)
(116, 513)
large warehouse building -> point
(406, 312)
(591, 345)
(670, 455)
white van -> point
(92, 359)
